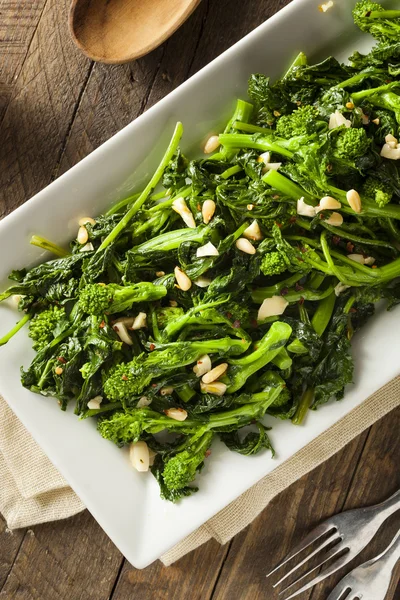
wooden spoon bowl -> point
(118, 31)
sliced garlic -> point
(166, 391)
(265, 157)
(202, 282)
(143, 401)
(211, 144)
(245, 246)
(215, 373)
(94, 404)
(139, 456)
(341, 287)
(82, 236)
(216, 387)
(85, 220)
(87, 247)
(304, 209)
(272, 307)
(122, 332)
(140, 321)
(179, 205)
(272, 167)
(178, 414)
(328, 203)
(253, 232)
(391, 153)
(182, 279)
(354, 200)
(337, 119)
(335, 219)
(207, 250)
(203, 365)
(358, 258)
(369, 260)
(208, 210)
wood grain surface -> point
(56, 107)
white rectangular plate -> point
(125, 503)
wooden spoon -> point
(118, 31)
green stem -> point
(335, 270)
(172, 147)
(241, 140)
(15, 329)
(299, 61)
(249, 128)
(358, 96)
(286, 186)
(384, 14)
(302, 409)
(231, 171)
(243, 111)
(323, 314)
(41, 242)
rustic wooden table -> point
(56, 107)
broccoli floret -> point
(383, 27)
(98, 298)
(42, 326)
(378, 191)
(273, 263)
(303, 121)
(181, 469)
(351, 143)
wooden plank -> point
(376, 478)
(40, 113)
(18, 22)
(194, 577)
(256, 550)
(10, 541)
(65, 561)
(116, 95)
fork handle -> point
(391, 555)
(389, 506)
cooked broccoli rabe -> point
(232, 291)
(99, 298)
(43, 326)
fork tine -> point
(332, 538)
(325, 573)
(313, 536)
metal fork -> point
(348, 533)
(371, 580)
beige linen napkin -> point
(32, 491)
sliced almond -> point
(211, 144)
(207, 250)
(253, 232)
(272, 307)
(140, 321)
(178, 414)
(139, 456)
(208, 210)
(304, 209)
(179, 205)
(182, 279)
(215, 373)
(203, 365)
(216, 387)
(335, 219)
(245, 246)
(358, 258)
(82, 236)
(354, 200)
(122, 332)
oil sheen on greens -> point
(117, 337)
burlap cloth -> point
(32, 490)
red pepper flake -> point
(229, 315)
(236, 324)
(336, 240)
(61, 359)
(254, 323)
(154, 385)
(374, 266)
(102, 325)
(278, 224)
(151, 347)
(353, 310)
(292, 219)
(199, 207)
(349, 247)
(321, 215)
(299, 287)
(284, 291)
(115, 328)
(124, 378)
(208, 453)
(301, 301)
